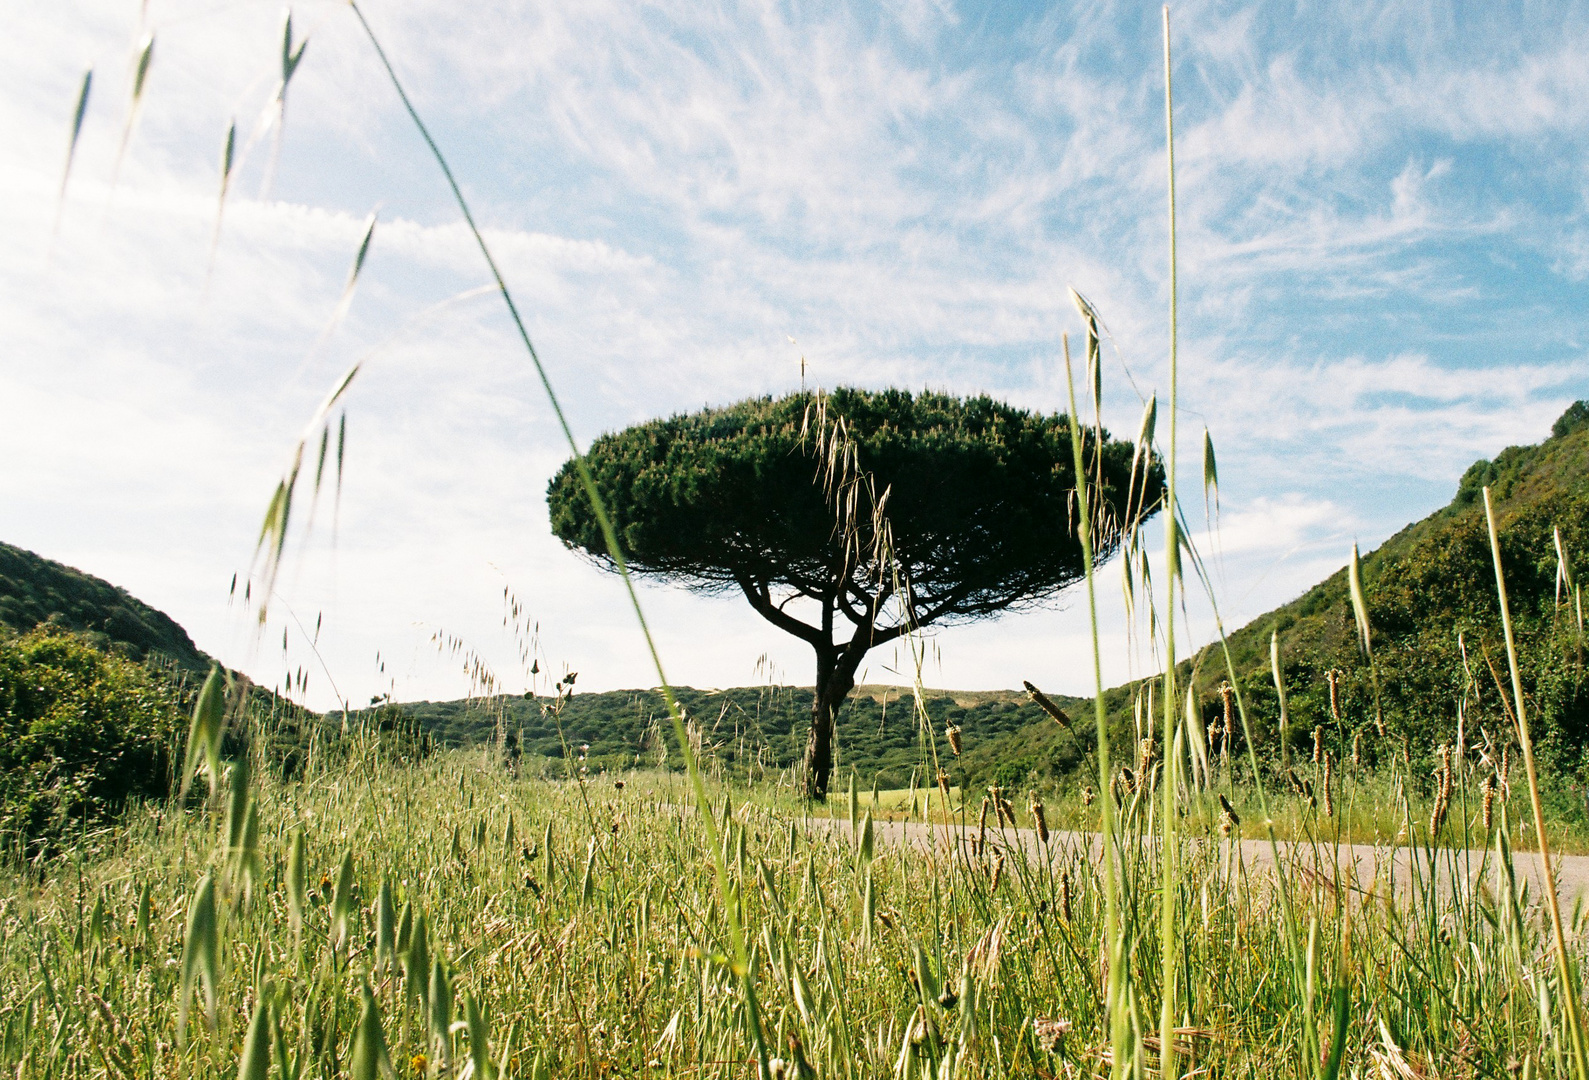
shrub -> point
(82, 731)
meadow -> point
(443, 917)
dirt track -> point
(1394, 866)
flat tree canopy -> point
(847, 519)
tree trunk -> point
(835, 680)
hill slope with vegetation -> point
(1437, 644)
(755, 731)
(35, 590)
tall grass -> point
(584, 922)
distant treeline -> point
(747, 731)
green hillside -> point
(745, 731)
(36, 590)
(1430, 591)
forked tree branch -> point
(761, 599)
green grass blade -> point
(1564, 967)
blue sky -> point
(1384, 240)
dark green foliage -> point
(34, 590)
(85, 730)
(746, 730)
(81, 732)
(1576, 416)
(978, 503)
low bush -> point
(82, 731)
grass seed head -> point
(1437, 816)
(1039, 821)
(1042, 701)
(1329, 784)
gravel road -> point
(1393, 865)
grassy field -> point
(1365, 808)
(448, 918)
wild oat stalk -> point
(741, 961)
(79, 112)
(1292, 938)
(1114, 945)
(1169, 948)
(1569, 985)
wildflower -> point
(1088, 795)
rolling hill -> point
(1436, 634)
(35, 590)
(744, 731)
